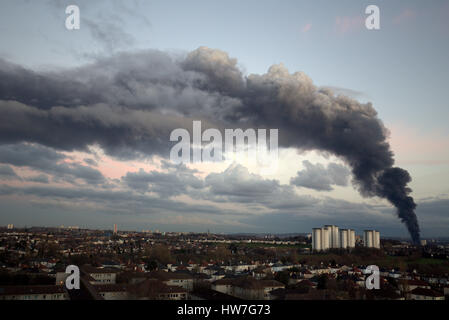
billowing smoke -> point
(129, 103)
(393, 186)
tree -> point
(161, 253)
(222, 253)
(282, 276)
(322, 282)
(151, 265)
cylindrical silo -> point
(344, 238)
(351, 238)
(376, 242)
(325, 238)
(368, 238)
(316, 239)
(334, 236)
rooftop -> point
(22, 290)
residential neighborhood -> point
(177, 266)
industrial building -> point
(334, 237)
(371, 239)
(346, 236)
(330, 236)
(351, 238)
(320, 239)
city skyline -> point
(358, 233)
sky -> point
(86, 114)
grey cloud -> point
(236, 184)
(129, 103)
(36, 156)
(76, 170)
(106, 21)
(109, 34)
(6, 172)
(165, 184)
(41, 178)
(181, 167)
(126, 202)
(318, 177)
(221, 70)
(435, 209)
(91, 162)
(339, 174)
(345, 91)
(132, 9)
(125, 134)
(46, 159)
(287, 211)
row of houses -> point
(247, 288)
(246, 283)
(47, 292)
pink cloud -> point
(306, 28)
(349, 24)
(108, 166)
(404, 16)
(415, 147)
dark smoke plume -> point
(129, 103)
(393, 186)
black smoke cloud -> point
(129, 103)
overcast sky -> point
(86, 114)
